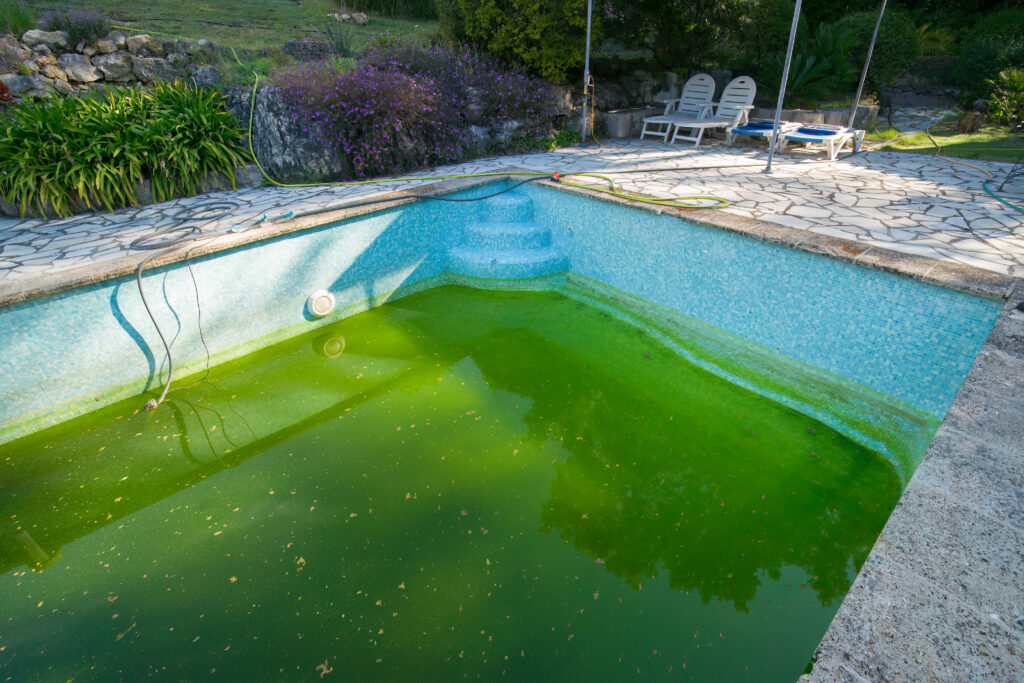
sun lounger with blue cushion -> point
(832, 138)
(758, 128)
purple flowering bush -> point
(405, 106)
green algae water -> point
(457, 485)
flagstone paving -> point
(911, 203)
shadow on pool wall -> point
(74, 351)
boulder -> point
(116, 66)
(145, 46)
(284, 147)
(42, 55)
(51, 39)
(29, 67)
(12, 53)
(206, 76)
(61, 86)
(23, 86)
(105, 46)
(54, 71)
(360, 18)
(178, 59)
(307, 50)
(149, 69)
(89, 50)
(78, 68)
(200, 51)
(118, 39)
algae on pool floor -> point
(458, 484)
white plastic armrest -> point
(706, 109)
(671, 106)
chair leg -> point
(700, 134)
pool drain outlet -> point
(320, 303)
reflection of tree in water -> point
(673, 470)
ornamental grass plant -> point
(65, 152)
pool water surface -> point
(458, 484)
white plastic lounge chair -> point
(758, 128)
(831, 137)
(693, 103)
(736, 103)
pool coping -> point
(939, 594)
(965, 278)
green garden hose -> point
(984, 183)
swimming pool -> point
(839, 354)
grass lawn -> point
(990, 143)
(268, 24)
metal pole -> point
(782, 85)
(867, 62)
(586, 75)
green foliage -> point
(81, 24)
(836, 44)
(16, 17)
(59, 152)
(680, 33)
(546, 35)
(564, 138)
(936, 40)
(994, 44)
(810, 79)
(1007, 99)
(766, 30)
(410, 9)
(895, 51)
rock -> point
(200, 51)
(145, 46)
(61, 86)
(42, 87)
(307, 50)
(970, 122)
(29, 67)
(286, 150)
(981, 106)
(206, 76)
(23, 86)
(149, 69)
(178, 59)
(53, 71)
(51, 39)
(360, 18)
(116, 66)
(80, 47)
(105, 46)
(12, 53)
(78, 68)
(118, 39)
(43, 55)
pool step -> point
(507, 236)
(506, 264)
(506, 244)
(511, 207)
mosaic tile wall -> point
(902, 337)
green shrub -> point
(895, 51)
(766, 30)
(546, 35)
(936, 40)
(16, 17)
(62, 151)
(1007, 99)
(810, 79)
(409, 9)
(994, 44)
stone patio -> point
(915, 204)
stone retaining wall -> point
(43, 64)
